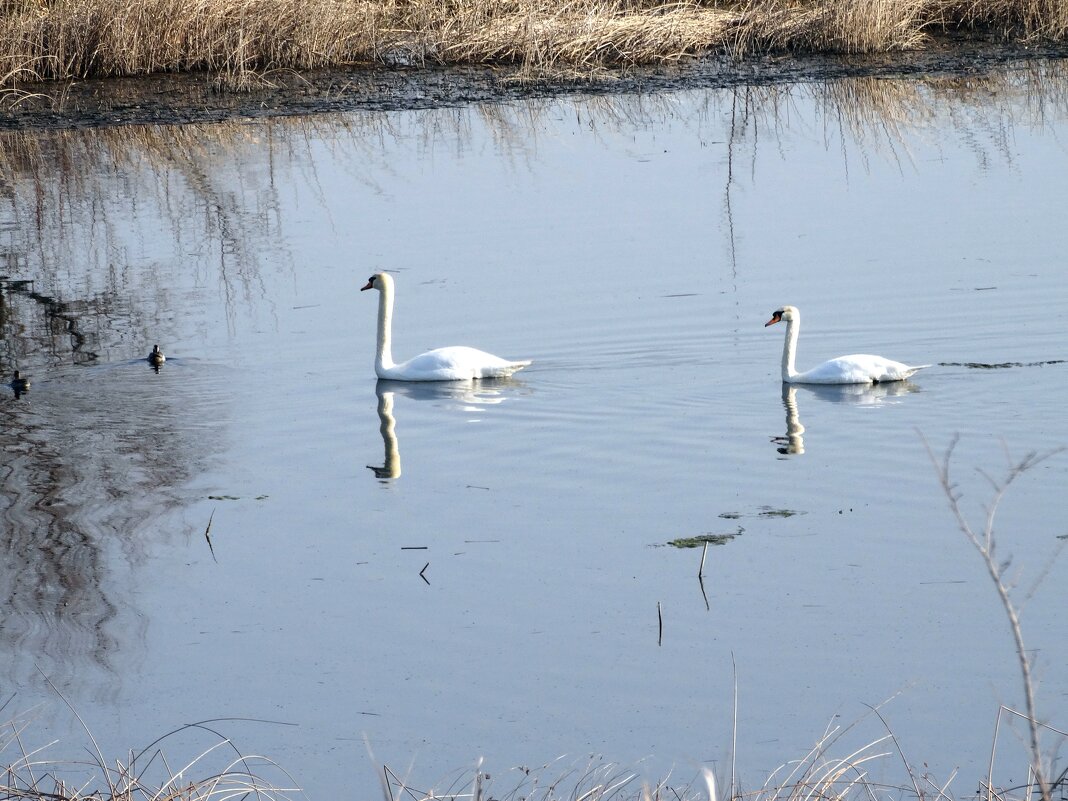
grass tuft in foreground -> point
(144, 776)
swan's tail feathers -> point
(514, 367)
(502, 369)
(909, 371)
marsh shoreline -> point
(198, 98)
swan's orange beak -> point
(370, 285)
(775, 318)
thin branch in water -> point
(734, 732)
(660, 622)
(207, 536)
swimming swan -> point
(859, 368)
(456, 363)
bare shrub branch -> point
(984, 543)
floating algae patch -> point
(767, 511)
(1000, 365)
(764, 511)
(705, 539)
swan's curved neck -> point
(789, 348)
(384, 358)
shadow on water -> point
(452, 395)
(793, 442)
(85, 215)
(61, 319)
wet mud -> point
(176, 99)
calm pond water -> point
(455, 572)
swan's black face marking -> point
(370, 283)
(776, 317)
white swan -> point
(457, 363)
(858, 368)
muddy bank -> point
(177, 99)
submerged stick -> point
(734, 730)
(421, 572)
(660, 620)
(701, 576)
(207, 536)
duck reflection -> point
(19, 384)
(793, 443)
(455, 395)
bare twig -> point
(207, 536)
(734, 734)
(984, 543)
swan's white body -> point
(456, 363)
(857, 368)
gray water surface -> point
(465, 571)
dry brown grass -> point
(59, 39)
(147, 775)
(847, 26)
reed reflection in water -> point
(109, 240)
(73, 196)
(96, 461)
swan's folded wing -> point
(457, 363)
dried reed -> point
(249, 39)
(985, 544)
(145, 776)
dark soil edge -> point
(178, 99)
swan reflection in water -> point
(859, 394)
(464, 396)
(793, 442)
